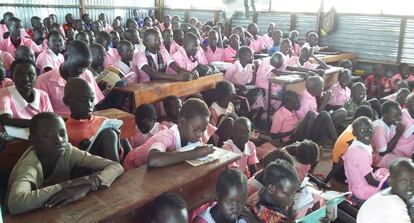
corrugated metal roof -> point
(305, 23)
(282, 21)
(203, 16)
(407, 55)
(173, 12)
(239, 19)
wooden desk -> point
(128, 128)
(155, 91)
(334, 58)
(128, 198)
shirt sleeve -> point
(5, 103)
(46, 104)
(252, 159)
(229, 75)
(233, 164)
(303, 110)
(166, 57)
(379, 139)
(108, 170)
(140, 60)
(277, 123)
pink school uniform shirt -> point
(339, 95)
(13, 103)
(229, 54)
(258, 44)
(111, 57)
(7, 45)
(54, 85)
(49, 59)
(264, 72)
(216, 111)
(162, 26)
(284, 121)
(217, 55)
(239, 75)
(3, 29)
(125, 68)
(7, 59)
(396, 77)
(382, 135)
(167, 140)
(174, 47)
(140, 60)
(140, 138)
(357, 164)
(294, 62)
(181, 58)
(248, 156)
(7, 82)
(307, 104)
(267, 40)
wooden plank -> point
(334, 58)
(12, 152)
(129, 196)
(128, 127)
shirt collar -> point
(176, 132)
(238, 64)
(57, 77)
(55, 57)
(20, 102)
(154, 129)
(368, 148)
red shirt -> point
(373, 87)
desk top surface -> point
(287, 79)
(132, 190)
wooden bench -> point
(129, 197)
(157, 90)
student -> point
(98, 53)
(285, 49)
(268, 36)
(132, 35)
(77, 59)
(111, 55)
(305, 156)
(271, 204)
(224, 129)
(340, 91)
(363, 182)
(231, 196)
(377, 84)
(153, 62)
(392, 204)
(387, 132)
(213, 52)
(399, 85)
(104, 21)
(172, 106)
(294, 37)
(163, 149)
(69, 21)
(126, 52)
(83, 36)
(80, 26)
(168, 208)
(178, 37)
(20, 102)
(41, 177)
(166, 24)
(147, 125)
(121, 32)
(24, 52)
(14, 25)
(70, 35)
(277, 39)
(52, 57)
(4, 81)
(82, 126)
(257, 43)
(3, 24)
(404, 73)
(131, 24)
(312, 40)
(358, 95)
(301, 63)
(86, 19)
(189, 56)
(167, 41)
(39, 38)
(240, 144)
(346, 64)
(285, 120)
(115, 38)
(225, 92)
(36, 23)
(230, 52)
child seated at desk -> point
(294, 37)
(225, 93)
(98, 59)
(312, 40)
(285, 49)
(133, 36)
(20, 102)
(178, 39)
(277, 36)
(340, 91)
(153, 62)
(167, 208)
(404, 73)
(230, 52)
(77, 59)
(362, 181)
(147, 125)
(126, 52)
(213, 52)
(256, 42)
(24, 52)
(163, 149)
(4, 81)
(111, 54)
(83, 36)
(301, 63)
(115, 38)
(399, 85)
(83, 128)
(268, 36)
(240, 144)
(358, 95)
(52, 57)
(167, 41)
(392, 204)
(42, 176)
(231, 187)
(377, 84)
(272, 203)
(172, 106)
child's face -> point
(81, 102)
(285, 48)
(304, 55)
(50, 142)
(358, 94)
(235, 42)
(145, 125)
(344, 79)
(37, 24)
(171, 215)
(24, 77)
(294, 37)
(403, 183)
(167, 20)
(394, 115)
(70, 34)
(173, 110)
(283, 194)
(277, 38)
(405, 71)
(79, 25)
(15, 29)
(167, 36)
(313, 39)
(193, 129)
(115, 39)
(212, 39)
(364, 132)
(191, 47)
(175, 25)
(401, 96)
(127, 53)
(224, 130)
(56, 43)
(133, 37)
(241, 133)
(246, 57)
(178, 37)
(232, 203)
(270, 28)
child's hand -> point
(93, 180)
(195, 74)
(202, 151)
(67, 195)
(400, 128)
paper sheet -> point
(208, 159)
(21, 133)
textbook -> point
(109, 77)
(209, 158)
(20, 133)
(109, 123)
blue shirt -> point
(273, 50)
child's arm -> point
(393, 142)
(180, 76)
(281, 134)
(157, 158)
(301, 69)
(7, 119)
(322, 64)
(325, 100)
(371, 180)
